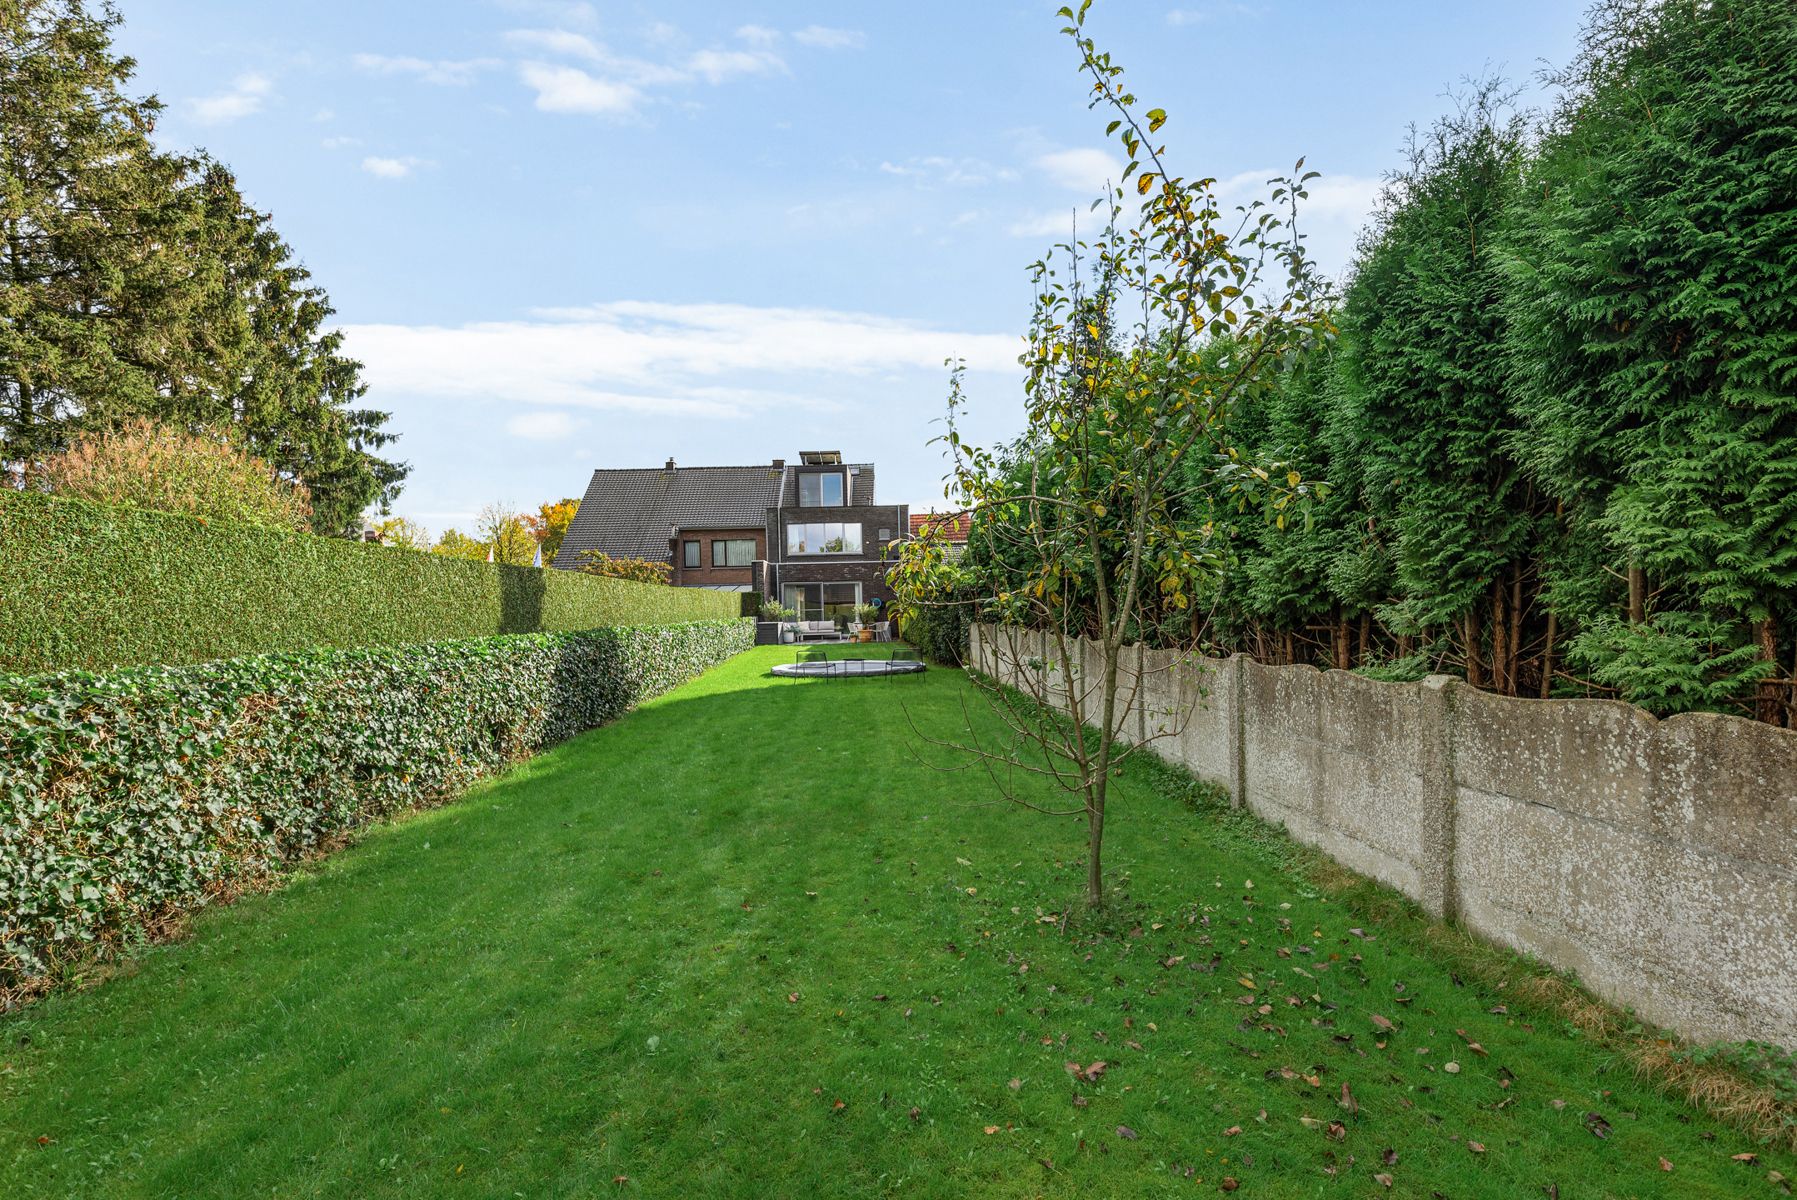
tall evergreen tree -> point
(1653, 336)
(1427, 395)
(140, 283)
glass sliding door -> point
(822, 601)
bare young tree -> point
(1140, 339)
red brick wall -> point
(706, 575)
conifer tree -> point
(1653, 338)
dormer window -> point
(822, 489)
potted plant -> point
(867, 614)
(777, 621)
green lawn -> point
(742, 943)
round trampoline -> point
(844, 668)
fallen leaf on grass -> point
(1125, 1132)
(1745, 1158)
(1336, 1132)
(1597, 1125)
(1665, 1165)
(1347, 1101)
(1229, 1184)
(1232, 1131)
(1476, 1147)
(792, 997)
(1014, 1084)
(1452, 1068)
(991, 1129)
(1380, 1022)
(1383, 1178)
(915, 1113)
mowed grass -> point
(742, 943)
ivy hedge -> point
(127, 798)
(92, 587)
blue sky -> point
(572, 235)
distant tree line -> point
(1557, 414)
(138, 283)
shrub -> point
(127, 798)
(641, 570)
(93, 588)
(146, 465)
(939, 631)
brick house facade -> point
(811, 534)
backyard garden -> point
(754, 936)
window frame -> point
(842, 482)
(719, 544)
(796, 546)
(689, 554)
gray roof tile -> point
(629, 513)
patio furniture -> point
(813, 631)
(882, 631)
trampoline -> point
(847, 668)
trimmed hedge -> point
(129, 797)
(90, 587)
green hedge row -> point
(88, 587)
(128, 797)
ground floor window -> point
(822, 601)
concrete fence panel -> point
(1657, 860)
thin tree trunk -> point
(1500, 642)
(1366, 633)
(1547, 654)
(1771, 701)
(1475, 671)
(1516, 624)
(1343, 650)
(1637, 594)
(1095, 849)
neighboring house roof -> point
(632, 513)
(954, 526)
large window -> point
(822, 601)
(732, 552)
(690, 554)
(821, 489)
(823, 537)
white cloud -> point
(1213, 11)
(563, 89)
(543, 425)
(562, 42)
(936, 169)
(721, 66)
(392, 168)
(444, 72)
(1090, 171)
(823, 38)
(1052, 224)
(758, 35)
(245, 97)
(338, 143)
(720, 360)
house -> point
(951, 527)
(810, 534)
